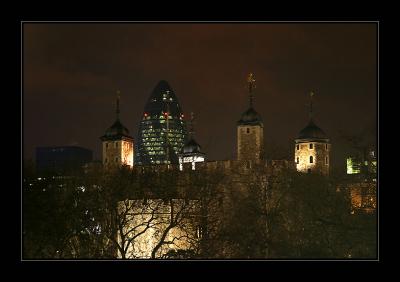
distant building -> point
(363, 196)
(361, 180)
(62, 159)
(353, 165)
(362, 163)
(162, 131)
(93, 166)
(191, 153)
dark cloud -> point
(72, 71)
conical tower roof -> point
(250, 117)
(116, 131)
(312, 132)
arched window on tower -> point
(311, 159)
(248, 130)
(326, 160)
(297, 161)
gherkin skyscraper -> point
(162, 129)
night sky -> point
(72, 72)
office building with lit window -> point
(362, 163)
(361, 180)
(162, 129)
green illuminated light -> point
(353, 167)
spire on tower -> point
(311, 104)
(167, 132)
(252, 84)
(191, 128)
(118, 97)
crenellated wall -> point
(227, 180)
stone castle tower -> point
(117, 144)
(250, 130)
(312, 148)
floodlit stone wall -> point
(147, 223)
(319, 152)
(118, 152)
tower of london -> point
(165, 149)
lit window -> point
(311, 145)
(311, 159)
(199, 232)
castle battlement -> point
(221, 166)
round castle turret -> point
(312, 149)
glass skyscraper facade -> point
(162, 129)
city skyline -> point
(72, 73)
